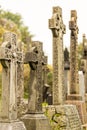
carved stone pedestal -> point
(36, 122)
(16, 125)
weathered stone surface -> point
(74, 80)
(36, 122)
(63, 117)
(9, 57)
(58, 29)
(35, 59)
(35, 119)
(81, 107)
(12, 126)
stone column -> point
(58, 29)
(9, 57)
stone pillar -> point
(35, 119)
(9, 57)
(58, 29)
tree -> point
(13, 22)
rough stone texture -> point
(81, 107)
(58, 29)
(36, 122)
(36, 59)
(74, 80)
(35, 119)
(63, 117)
(12, 126)
(9, 57)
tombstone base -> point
(81, 107)
(63, 117)
(17, 125)
(36, 122)
(74, 97)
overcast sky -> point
(35, 14)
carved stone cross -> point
(9, 57)
(35, 59)
(58, 29)
(74, 80)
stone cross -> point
(74, 80)
(35, 59)
(58, 29)
(85, 60)
(9, 57)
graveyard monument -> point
(74, 97)
(9, 57)
(34, 119)
(58, 29)
(61, 114)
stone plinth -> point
(12, 126)
(36, 122)
(63, 117)
(81, 109)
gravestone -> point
(35, 119)
(59, 90)
(85, 62)
(66, 70)
(81, 85)
(75, 97)
(47, 90)
(9, 57)
(58, 29)
(63, 117)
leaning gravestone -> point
(9, 57)
(35, 119)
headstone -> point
(81, 85)
(85, 62)
(63, 117)
(9, 57)
(35, 119)
(58, 29)
(66, 71)
(47, 94)
(75, 97)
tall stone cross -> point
(9, 57)
(35, 59)
(58, 29)
(74, 80)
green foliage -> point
(13, 22)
